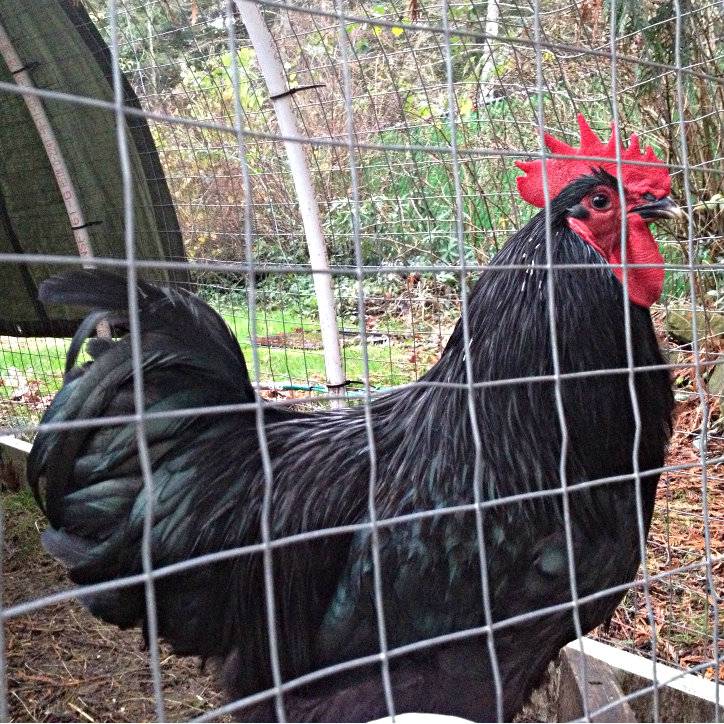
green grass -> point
(696, 627)
(19, 502)
(388, 363)
(39, 358)
(43, 359)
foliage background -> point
(176, 54)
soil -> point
(65, 665)
(296, 339)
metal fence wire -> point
(411, 116)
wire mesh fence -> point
(412, 116)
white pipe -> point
(55, 156)
(491, 29)
(273, 73)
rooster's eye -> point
(600, 201)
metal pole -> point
(273, 73)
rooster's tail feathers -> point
(171, 320)
(88, 477)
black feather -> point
(94, 289)
(209, 487)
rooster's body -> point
(209, 484)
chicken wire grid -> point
(412, 115)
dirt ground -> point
(63, 664)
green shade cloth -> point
(63, 51)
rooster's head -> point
(589, 190)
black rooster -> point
(209, 483)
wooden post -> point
(55, 156)
(50, 143)
(13, 458)
(600, 688)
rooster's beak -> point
(665, 208)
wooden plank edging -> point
(13, 458)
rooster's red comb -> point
(636, 179)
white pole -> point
(50, 143)
(273, 73)
(491, 28)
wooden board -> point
(584, 678)
(13, 457)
